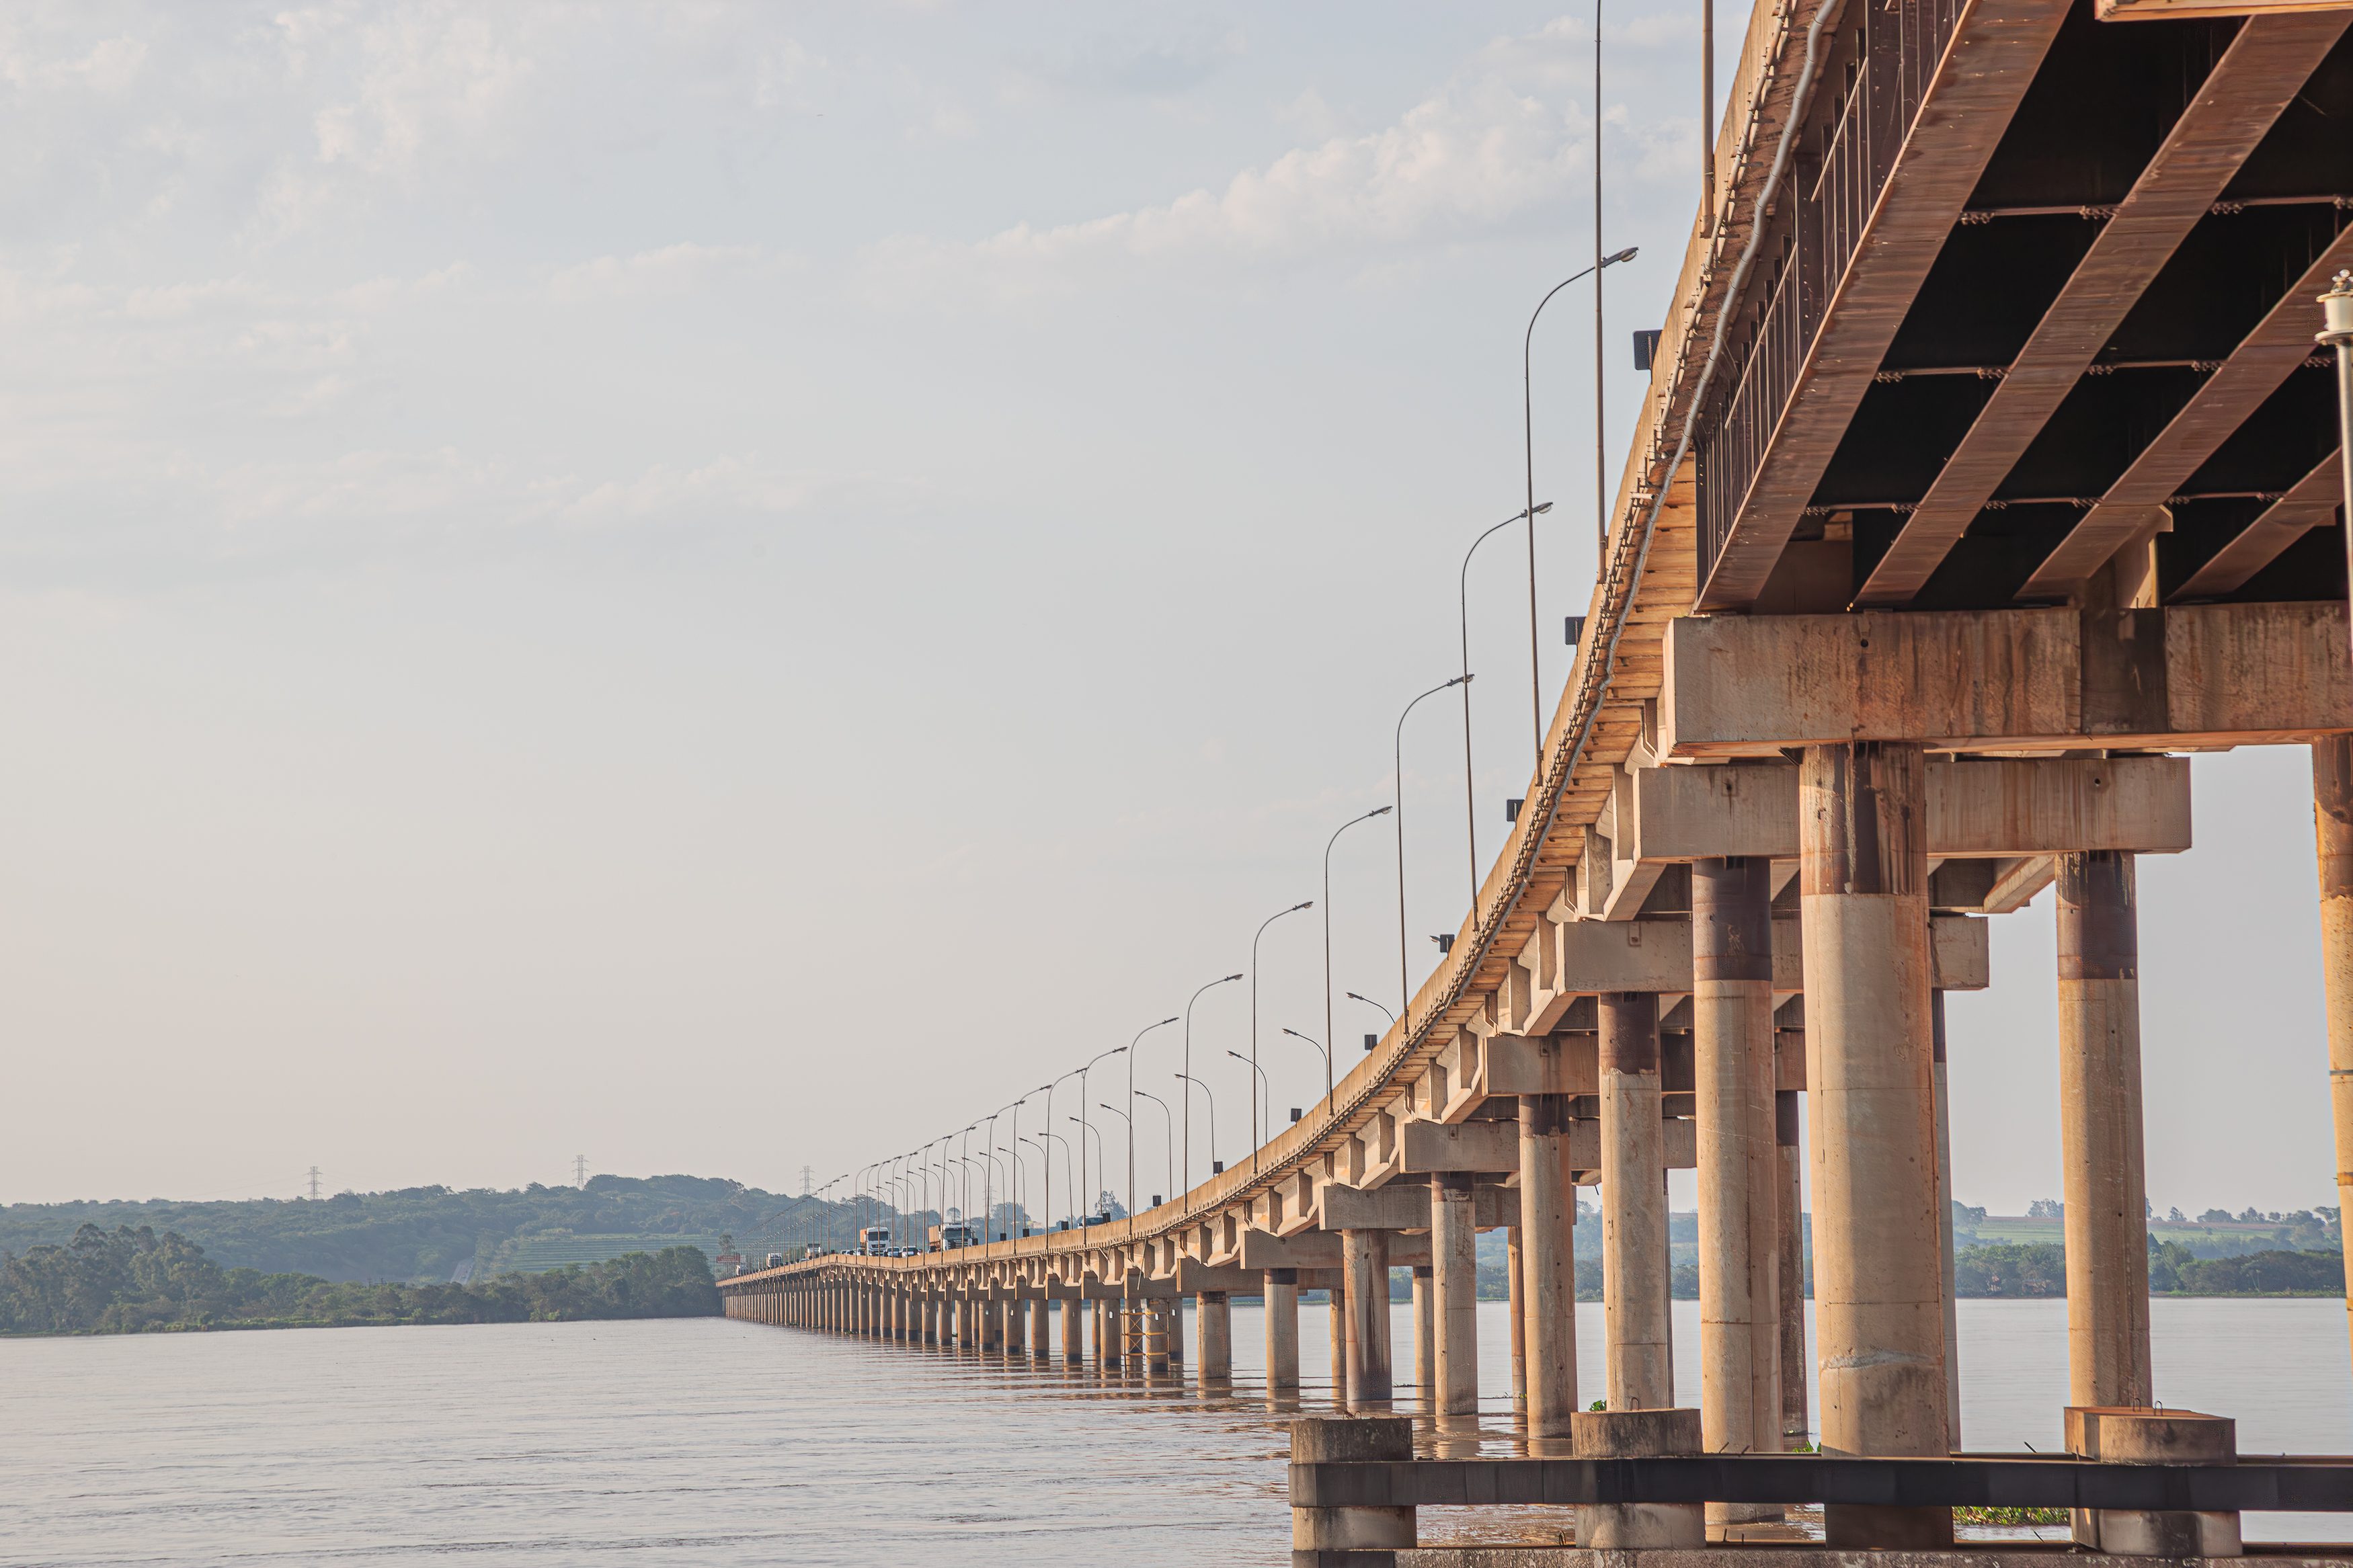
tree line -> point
(130, 1281)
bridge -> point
(1989, 467)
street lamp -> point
(1081, 1119)
(1267, 1099)
(1168, 1138)
(1131, 1095)
(1398, 750)
(1189, 1099)
(1463, 610)
(1124, 1116)
(1086, 1127)
(1528, 422)
(1255, 1138)
(1204, 1087)
(1377, 811)
(1327, 1060)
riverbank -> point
(133, 1281)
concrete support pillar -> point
(2332, 815)
(1040, 1342)
(1214, 1313)
(1074, 1349)
(2105, 1217)
(1107, 1346)
(1176, 1356)
(1633, 1435)
(1016, 1327)
(1517, 1317)
(1454, 1257)
(1338, 1316)
(1739, 1166)
(1634, 1262)
(1282, 1328)
(2154, 1437)
(1547, 1306)
(1367, 1535)
(1945, 1224)
(1365, 1265)
(1425, 1328)
(1797, 1346)
(1878, 1282)
(1156, 1312)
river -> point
(669, 1441)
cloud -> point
(1500, 141)
(673, 271)
(1122, 64)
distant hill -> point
(423, 1235)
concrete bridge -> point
(1989, 467)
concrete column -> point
(1215, 1315)
(1016, 1327)
(1454, 1257)
(1157, 1311)
(2332, 815)
(1074, 1349)
(1282, 1328)
(1878, 1282)
(1040, 1342)
(1796, 1347)
(1363, 1533)
(1338, 1316)
(2154, 1437)
(1547, 1230)
(1425, 1328)
(1365, 1265)
(1945, 1223)
(2105, 1218)
(1176, 1357)
(1107, 1346)
(1634, 1263)
(1633, 1435)
(1739, 1166)
(1517, 1316)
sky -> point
(732, 588)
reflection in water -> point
(671, 1440)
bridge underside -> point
(2037, 293)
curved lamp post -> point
(1463, 610)
(1204, 1087)
(1377, 811)
(1170, 1140)
(1130, 1099)
(1256, 1137)
(1189, 1099)
(1403, 991)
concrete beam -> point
(1320, 1250)
(1989, 807)
(1597, 956)
(1407, 1207)
(1972, 680)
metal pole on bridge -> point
(1258, 1136)
(1377, 811)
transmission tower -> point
(806, 1175)
(314, 1180)
(579, 1169)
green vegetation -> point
(2040, 1268)
(129, 1282)
(2009, 1516)
(424, 1234)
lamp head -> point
(1628, 254)
(1542, 507)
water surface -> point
(668, 1441)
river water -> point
(668, 1441)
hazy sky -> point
(726, 589)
